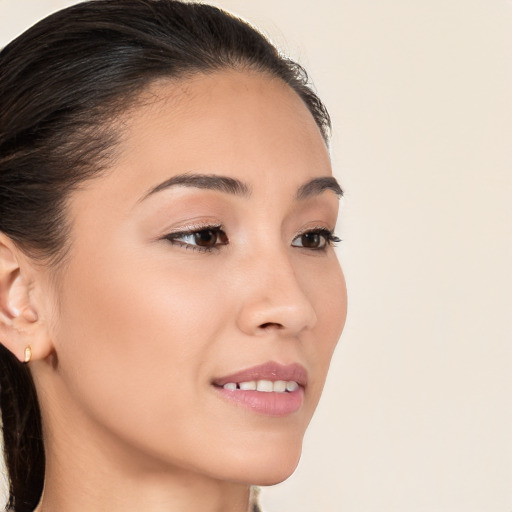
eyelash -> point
(330, 239)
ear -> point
(21, 325)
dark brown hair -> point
(62, 84)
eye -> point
(204, 239)
(315, 239)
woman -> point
(170, 296)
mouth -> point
(265, 386)
(271, 389)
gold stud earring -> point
(28, 354)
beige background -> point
(417, 411)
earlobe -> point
(21, 332)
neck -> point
(69, 489)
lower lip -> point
(270, 404)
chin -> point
(271, 466)
(275, 476)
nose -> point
(274, 299)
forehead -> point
(247, 125)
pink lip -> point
(270, 404)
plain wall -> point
(416, 414)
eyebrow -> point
(236, 187)
(318, 185)
(204, 181)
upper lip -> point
(269, 371)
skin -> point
(126, 346)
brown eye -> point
(200, 239)
(209, 237)
(315, 240)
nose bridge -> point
(274, 297)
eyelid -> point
(316, 228)
(193, 228)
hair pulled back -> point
(62, 84)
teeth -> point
(291, 386)
(280, 386)
(248, 386)
(265, 386)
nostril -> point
(267, 325)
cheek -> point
(336, 301)
(326, 288)
(134, 335)
(324, 284)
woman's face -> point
(199, 261)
